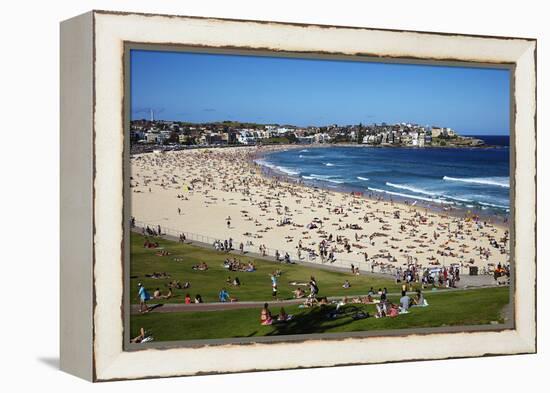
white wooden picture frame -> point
(92, 194)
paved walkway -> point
(181, 307)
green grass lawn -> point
(456, 308)
(254, 286)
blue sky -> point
(205, 87)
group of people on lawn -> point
(144, 297)
(266, 318)
(387, 309)
(235, 265)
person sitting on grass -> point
(346, 284)
(168, 294)
(368, 300)
(174, 284)
(187, 298)
(419, 300)
(299, 293)
(143, 337)
(265, 316)
(309, 302)
(283, 316)
(201, 266)
(143, 296)
(156, 294)
(383, 297)
(393, 311)
(405, 302)
(380, 310)
(341, 303)
(223, 295)
(236, 282)
(198, 299)
(149, 244)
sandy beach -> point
(222, 194)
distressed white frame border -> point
(110, 32)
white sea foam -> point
(329, 164)
(265, 163)
(304, 151)
(362, 178)
(493, 205)
(283, 169)
(321, 177)
(441, 198)
(412, 189)
(459, 199)
(286, 170)
(497, 181)
(327, 178)
(434, 200)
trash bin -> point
(473, 270)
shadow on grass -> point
(313, 320)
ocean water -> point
(471, 178)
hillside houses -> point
(172, 133)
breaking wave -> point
(491, 181)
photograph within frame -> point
(301, 337)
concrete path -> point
(181, 307)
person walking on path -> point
(273, 285)
(143, 298)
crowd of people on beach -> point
(276, 204)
